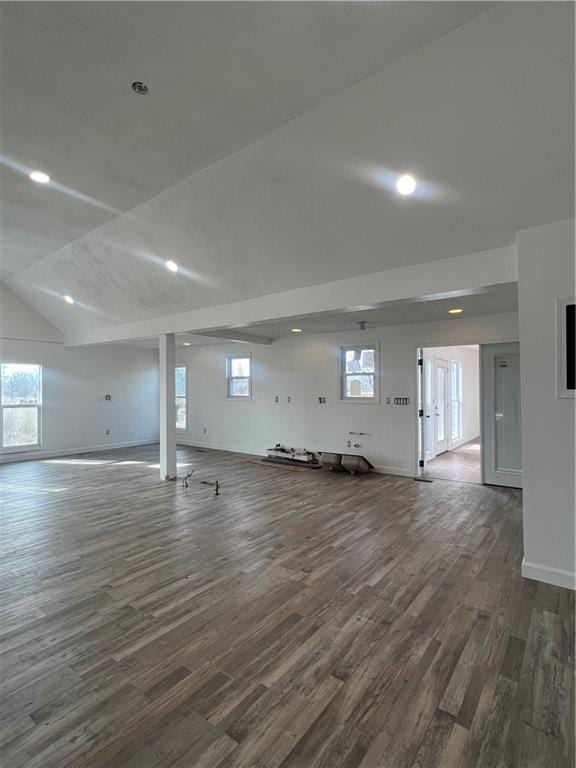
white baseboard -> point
(380, 469)
(400, 471)
(214, 447)
(549, 575)
(42, 453)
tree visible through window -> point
(181, 398)
(238, 376)
(358, 372)
(21, 402)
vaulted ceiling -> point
(264, 156)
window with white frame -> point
(359, 373)
(21, 405)
(239, 377)
(455, 400)
(181, 393)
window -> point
(181, 398)
(358, 373)
(238, 376)
(455, 400)
(21, 399)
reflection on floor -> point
(299, 619)
(461, 464)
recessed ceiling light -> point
(406, 184)
(68, 299)
(186, 343)
(455, 311)
(172, 266)
(296, 330)
(39, 177)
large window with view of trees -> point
(238, 377)
(181, 398)
(359, 373)
(21, 405)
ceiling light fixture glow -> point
(68, 299)
(406, 184)
(186, 343)
(296, 330)
(171, 265)
(39, 177)
(455, 311)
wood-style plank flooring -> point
(462, 464)
(299, 620)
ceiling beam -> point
(471, 271)
(230, 334)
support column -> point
(167, 407)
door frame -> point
(419, 468)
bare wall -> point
(305, 368)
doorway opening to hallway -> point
(450, 413)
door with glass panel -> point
(441, 405)
(502, 454)
(429, 407)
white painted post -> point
(167, 407)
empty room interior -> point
(287, 380)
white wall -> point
(546, 273)
(304, 368)
(470, 362)
(75, 381)
(18, 320)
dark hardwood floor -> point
(299, 620)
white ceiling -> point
(428, 309)
(495, 299)
(483, 115)
(220, 76)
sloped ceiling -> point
(220, 76)
(483, 116)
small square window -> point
(358, 373)
(239, 377)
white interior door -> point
(502, 454)
(441, 405)
(429, 408)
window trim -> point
(229, 377)
(342, 349)
(38, 406)
(179, 430)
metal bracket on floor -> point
(215, 484)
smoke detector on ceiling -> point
(139, 87)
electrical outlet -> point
(204, 431)
(276, 398)
(288, 399)
(321, 400)
(108, 431)
(348, 444)
(387, 399)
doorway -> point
(451, 413)
(469, 425)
